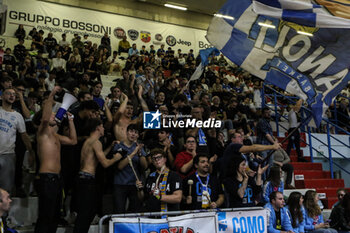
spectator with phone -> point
(313, 216)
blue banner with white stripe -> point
(312, 63)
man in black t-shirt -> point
(236, 148)
(201, 190)
(163, 188)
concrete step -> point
(294, 158)
(24, 210)
(312, 174)
(306, 166)
(287, 192)
(319, 183)
(293, 152)
(330, 192)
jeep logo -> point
(184, 42)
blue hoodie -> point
(300, 226)
(310, 222)
(285, 220)
(269, 188)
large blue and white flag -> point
(324, 14)
(312, 63)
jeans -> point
(86, 202)
(288, 169)
(7, 171)
(121, 193)
(324, 230)
(49, 188)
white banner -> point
(60, 19)
(189, 223)
(245, 221)
(193, 223)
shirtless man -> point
(49, 184)
(124, 114)
(91, 155)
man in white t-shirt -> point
(51, 80)
(113, 62)
(10, 122)
(58, 62)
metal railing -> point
(305, 113)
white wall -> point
(66, 19)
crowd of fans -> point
(156, 170)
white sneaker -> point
(95, 220)
(72, 217)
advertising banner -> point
(59, 19)
(189, 223)
(245, 221)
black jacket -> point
(338, 219)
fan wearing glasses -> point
(163, 188)
(340, 194)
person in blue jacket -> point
(279, 221)
(313, 216)
(273, 184)
(296, 211)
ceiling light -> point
(176, 7)
(305, 33)
(224, 16)
(266, 25)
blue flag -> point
(205, 54)
(325, 14)
(312, 63)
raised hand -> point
(262, 170)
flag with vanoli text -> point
(288, 43)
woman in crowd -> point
(313, 216)
(274, 183)
(296, 211)
(242, 190)
(340, 216)
(20, 33)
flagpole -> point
(285, 139)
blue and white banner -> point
(135, 225)
(189, 223)
(312, 63)
(244, 220)
(325, 14)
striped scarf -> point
(163, 184)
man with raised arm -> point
(49, 185)
(91, 155)
(125, 113)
